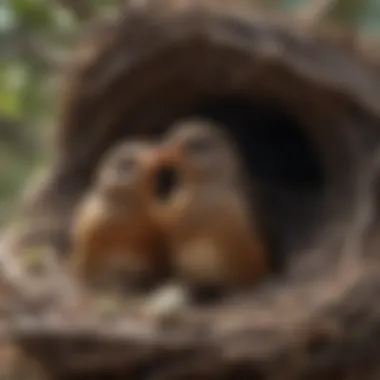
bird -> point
(215, 245)
(114, 239)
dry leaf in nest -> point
(167, 304)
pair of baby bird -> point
(175, 208)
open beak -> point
(162, 157)
(164, 171)
(166, 156)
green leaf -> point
(32, 13)
(7, 16)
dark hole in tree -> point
(280, 155)
(273, 144)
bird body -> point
(112, 229)
(213, 240)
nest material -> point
(318, 319)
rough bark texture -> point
(319, 317)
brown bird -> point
(203, 209)
(114, 237)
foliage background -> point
(35, 41)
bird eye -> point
(199, 145)
(126, 165)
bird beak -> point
(164, 157)
(167, 155)
(163, 170)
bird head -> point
(122, 172)
(202, 152)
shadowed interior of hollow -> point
(274, 146)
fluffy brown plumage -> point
(113, 234)
(213, 240)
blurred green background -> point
(35, 41)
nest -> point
(304, 112)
